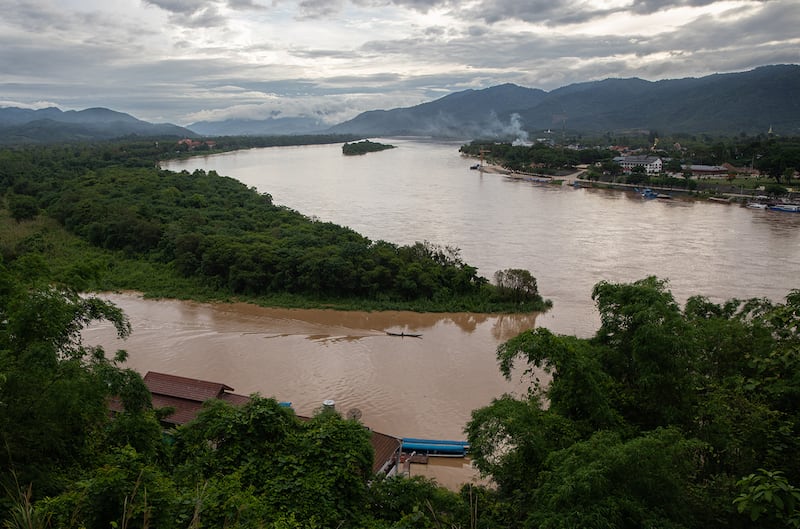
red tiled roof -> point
(185, 410)
(186, 396)
(184, 388)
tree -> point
(638, 175)
(768, 498)
(606, 481)
(652, 421)
(55, 389)
(276, 464)
(516, 284)
(673, 165)
(22, 207)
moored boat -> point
(791, 208)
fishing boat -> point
(404, 334)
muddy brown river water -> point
(426, 387)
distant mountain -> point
(253, 127)
(51, 125)
(749, 102)
(460, 115)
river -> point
(423, 190)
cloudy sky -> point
(182, 61)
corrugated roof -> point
(385, 448)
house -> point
(651, 164)
(707, 171)
(741, 172)
(187, 395)
(194, 144)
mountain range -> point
(752, 102)
(52, 125)
(749, 102)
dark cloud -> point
(192, 7)
(310, 9)
(200, 13)
(84, 58)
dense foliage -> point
(663, 419)
(363, 147)
(232, 239)
(67, 463)
(667, 417)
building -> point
(651, 164)
(707, 171)
(187, 395)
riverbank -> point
(707, 191)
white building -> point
(651, 164)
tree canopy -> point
(214, 231)
(669, 416)
(662, 419)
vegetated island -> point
(363, 147)
(105, 217)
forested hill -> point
(51, 125)
(467, 114)
(748, 102)
(216, 231)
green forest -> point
(669, 416)
(363, 147)
(130, 225)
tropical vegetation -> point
(136, 226)
(363, 147)
(667, 417)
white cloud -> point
(177, 60)
(34, 105)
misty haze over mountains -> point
(748, 102)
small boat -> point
(791, 208)
(756, 205)
(476, 166)
(404, 334)
(648, 193)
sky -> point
(183, 61)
